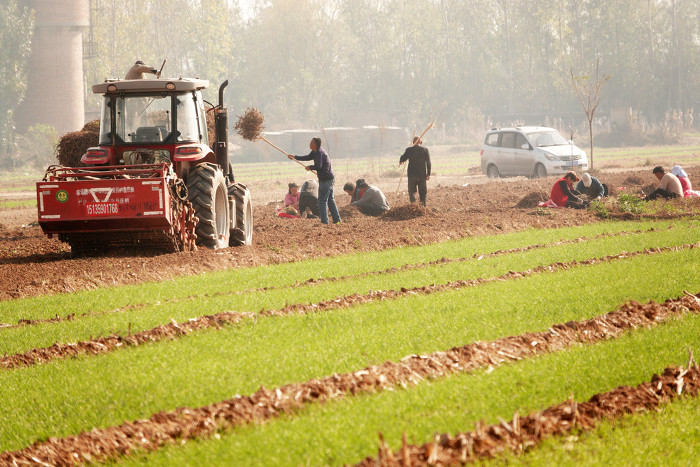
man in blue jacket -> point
(326, 179)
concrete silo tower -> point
(55, 90)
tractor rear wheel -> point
(206, 188)
(242, 234)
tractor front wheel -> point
(206, 188)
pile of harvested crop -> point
(405, 212)
(250, 124)
(633, 180)
(532, 199)
(211, 128)
(73, 145)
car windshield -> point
(547, 138)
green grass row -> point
(345, 431)
(291, 273)
(66, 397)
(28, 337)
(667, 437)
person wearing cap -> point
(308, 199)
(418, 172)
(563, 194)
(352, 191)
(291, 199)
(137, 71)
(669, 185)
(590, 186)
(372, 201)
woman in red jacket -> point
(563, 194)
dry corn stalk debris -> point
(186, 423)
(524, 433)
(174, 330)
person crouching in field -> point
(591, 187)
(308, 199)
(291, 199)
(563, 194)
(687, 187)
(669, 185)
(372, 201)
(352, 191)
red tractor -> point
(155, 180)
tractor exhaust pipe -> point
(221, 124)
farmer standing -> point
(326, 179)
(418, 170)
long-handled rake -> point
(250, 127)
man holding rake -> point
(326, 179)
(418, 172)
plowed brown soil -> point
(31, 264)
(186, 423)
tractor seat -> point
(148, 134)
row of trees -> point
(344, 62)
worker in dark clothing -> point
(326, 179)
(563, 194)
(418, 172)
(591, 187)
(308, 199)
(137, 71)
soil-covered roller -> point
(207, 192)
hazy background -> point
(312, 64)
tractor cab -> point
(150, 121)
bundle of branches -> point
(73, 145)
(250, 124)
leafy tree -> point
(16, 27)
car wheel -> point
(540, 171)
(492, 172)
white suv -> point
(533, 151)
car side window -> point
(491, 139)
(520, 140)
(508, 140)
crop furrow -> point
(169, 427)
(174, 330)
(522, 434)
(314, 281)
